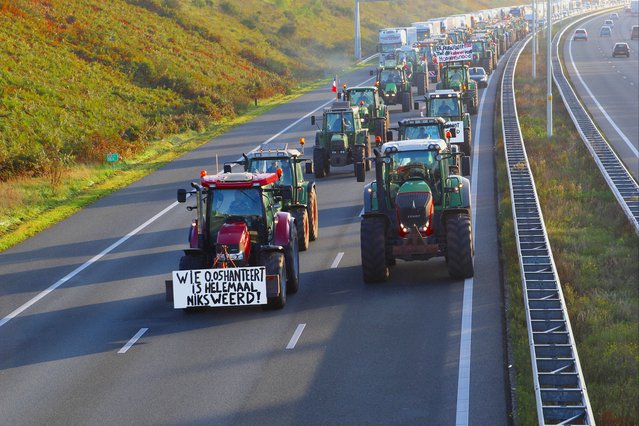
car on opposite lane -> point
(634, 33)
(580, 34)
(621, 49)
(614, 15)
(480, 75)
(610, 23)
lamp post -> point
(549, 72)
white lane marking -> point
(132, 341)
(337, 259)
(85, 265)
(592, 96)
(296, 336)
(113, 246)
(463, 378)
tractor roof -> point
(238, 180)
(414, 145)
(340, 107)
(445, 93)
(273, 150)
(362, 89)
(420, 121)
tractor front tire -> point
(319, 163)
(380, 129)
(313, 215)
(459, 246)
(373, 249)
(303, 227)
(275, 265)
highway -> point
(419, 349)
(609, 86)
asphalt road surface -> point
(609, 87)
(419, 349)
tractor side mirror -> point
(227, 168)
(309, 168)
(181, 195)
(312, 120)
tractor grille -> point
(413, 208)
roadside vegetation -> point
(595, 250)
(149, 79)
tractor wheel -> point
(466, 146)
(318, 163)
(360, 168)
(275, 265)
(459, 246)
(373, 249)
(303, 229)
(406, 100)
(421, 83)
(292, 255)
(367, 154)
(313, 216)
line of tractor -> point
(417, 205)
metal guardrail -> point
(560, 390)
(620, 181)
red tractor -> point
(243, 248)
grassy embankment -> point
(150, 80)
(595, 250)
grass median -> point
(596, 253)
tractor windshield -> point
(270, 165)
(443, 107)
(224, 203)
(427, 131)
(390, 76)
(407, 165)
(478, 47)
(360, 96)
(339, 122)
(455, 74)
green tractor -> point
(417, 66)
(482, 54)
(417, 208)
(448, 105)
(373, 112)
(394, 86)
(427, 49)
(287, 162)
(455, 76)
(341, 141)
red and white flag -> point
(334, 89)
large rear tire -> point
(420, 77)
(466, 146)
(313, 215)
(275, 265)
(292, 255)
(318, 163)
(373, 249)
(303, 227)
(380, 129)
(459, 246)
(406, 100)
(360, 168)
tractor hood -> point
(414, 203)
(339, 142)
(233, 240)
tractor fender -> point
(310, 186)
(459, 199)
(368, 197)
(283, 229)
